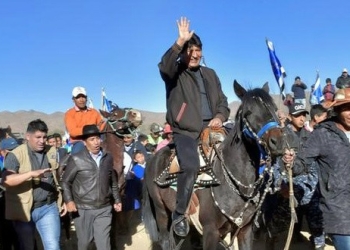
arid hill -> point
(18, 120)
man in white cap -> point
(343, 81)
(79, 116)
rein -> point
(127, 125)
(253, 195)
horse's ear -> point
(239, 90)
(105, 114)
(266, 87)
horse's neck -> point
(115, 145)
(242, 158)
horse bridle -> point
(127, 125)
(265, 153)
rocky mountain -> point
(18, 120)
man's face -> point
(193, 56)
(298, 121)
(36, 140)
(321, 117)
(58, 142)
(344, 116)
(52, 142)
(127, 140)
(80, 101)
(93, 144)
(155, 134)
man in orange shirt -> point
(79, 116)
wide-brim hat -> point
(90, 130)
(342, 96)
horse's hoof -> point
(181, 226)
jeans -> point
(46, 219)
(340, 241)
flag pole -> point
(102, 90)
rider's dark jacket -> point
(330, 148)
(184, 112)
(88, 185)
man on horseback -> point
(195, 100)
(80, 115)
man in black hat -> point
(195, 100)
(88, 178)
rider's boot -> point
(184, 192)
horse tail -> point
(148, 212)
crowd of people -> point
(46, 180)
(50, 181)
(319, 167)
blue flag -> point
(106, 104)
(277, 68)
(317, 94)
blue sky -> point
(49, 47)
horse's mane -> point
(248, 99)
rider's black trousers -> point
(186, 151)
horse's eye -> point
(248, 113)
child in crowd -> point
(133, 189)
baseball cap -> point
(8, 144)
(297, 108)
(156, 128)
(345, 70)
(167, 129)
(79, 91)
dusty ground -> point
(138, 240)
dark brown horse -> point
(119, 122)
(228, 208)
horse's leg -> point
(155, 216)
(211, 237)
(209, 217)
(245, 237)
(162, 218)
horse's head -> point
(257, 119)
(123, 121)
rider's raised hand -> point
(184, 31)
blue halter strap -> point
(249, 133)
